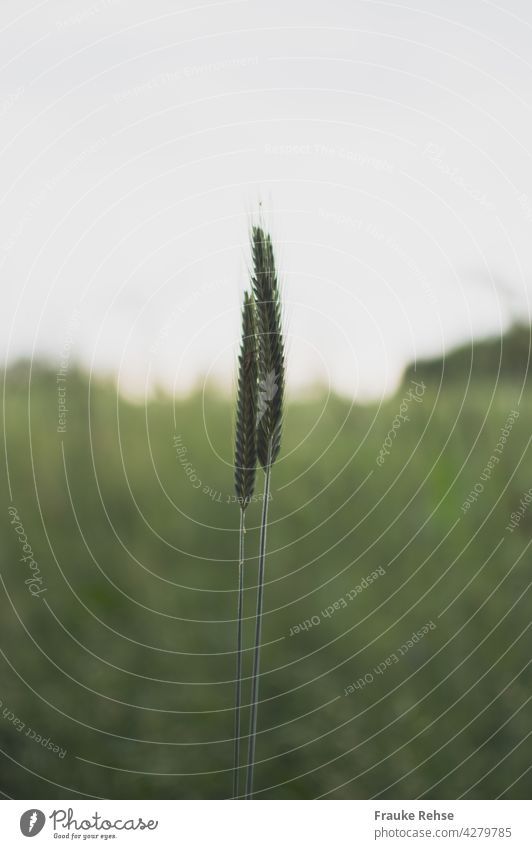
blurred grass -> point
(126, 661)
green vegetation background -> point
(126, 661)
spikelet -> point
(270, 348)
(246, 406)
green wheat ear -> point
(271, 348)
(245, 466)
(246, 407)
(269, 426)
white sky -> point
(390, 144)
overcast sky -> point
(390, 145)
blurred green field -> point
(126, 660)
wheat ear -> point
(269, 426)
(245, 465)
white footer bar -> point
(266, 824)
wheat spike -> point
(246, 406)
(270, 348)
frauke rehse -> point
(412, 815)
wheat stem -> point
(238, 680)
(258, 630)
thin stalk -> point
(238, 684)
(258, 631)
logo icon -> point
(32, 822)
(267, 391)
